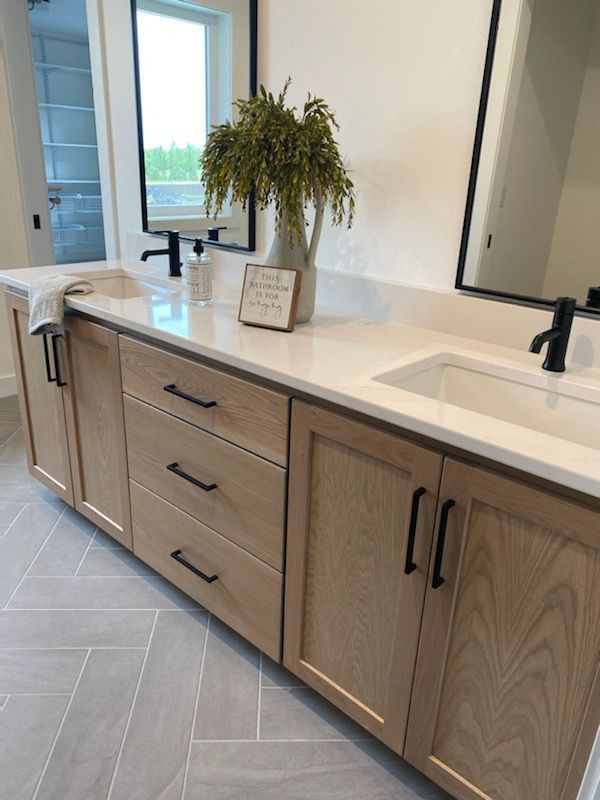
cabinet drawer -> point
(248, 415)
(246, 594)
(247, 504)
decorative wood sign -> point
(270, 297)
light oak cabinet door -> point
(96, 426)
(506, 701)
(41, 402)
(352, 613)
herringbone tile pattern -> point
(115, 685)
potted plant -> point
(290, 160)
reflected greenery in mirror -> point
(193, 58)
(531, 228)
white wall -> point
(13, 244)
(574, 263)
(404, 79)
(407, 119)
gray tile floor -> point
(115, 685)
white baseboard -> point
(8, 385)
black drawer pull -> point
(47, 359)
(172, 389)
(176, 554)
(208, 487)
(439, 551)
(410, 565)
(58, 379)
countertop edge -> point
(553, 472)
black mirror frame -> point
(507, 297)
(251, 207)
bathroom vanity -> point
(339, 514)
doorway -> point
(63, 76)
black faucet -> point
(172, 251)
(558, 335)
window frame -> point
(193, 219)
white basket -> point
(66, 234)
(94, 235)
(91, 203)
(69, 203)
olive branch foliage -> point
(288, 159)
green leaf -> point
(286, 160)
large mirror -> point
(532, 225)
(193, 59)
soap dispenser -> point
(199, 275)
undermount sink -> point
(125, 287)
(558, 406)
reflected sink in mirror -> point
(566, 407)
(125, 287)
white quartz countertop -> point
(336, 358)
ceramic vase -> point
(300, 256)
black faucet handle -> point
(566, 303)
(564, 311)
(174, 255)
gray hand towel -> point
(47, 301)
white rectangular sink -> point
(125, 287)
(560, 406)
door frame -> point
(16, 54)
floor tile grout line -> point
(14, 520)
(259, 698)
(32, 562)
(200, 675)
(131, 708)
(60, 727)
(86, 551)
(12, 436)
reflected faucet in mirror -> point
(172, 251)
(557, 337)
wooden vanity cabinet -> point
(506, 700)
(361, 511)
(41, 402)
(503, 606)
(72, 411)
(96, 426)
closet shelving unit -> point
(66, 106)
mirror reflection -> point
(532, 227)
(193, 59)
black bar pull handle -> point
(176, 554)
(208, 487)
(410, 565)
(58, 379)
(47, 360)
(172, 389)
(439, 551)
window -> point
(180, 50)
